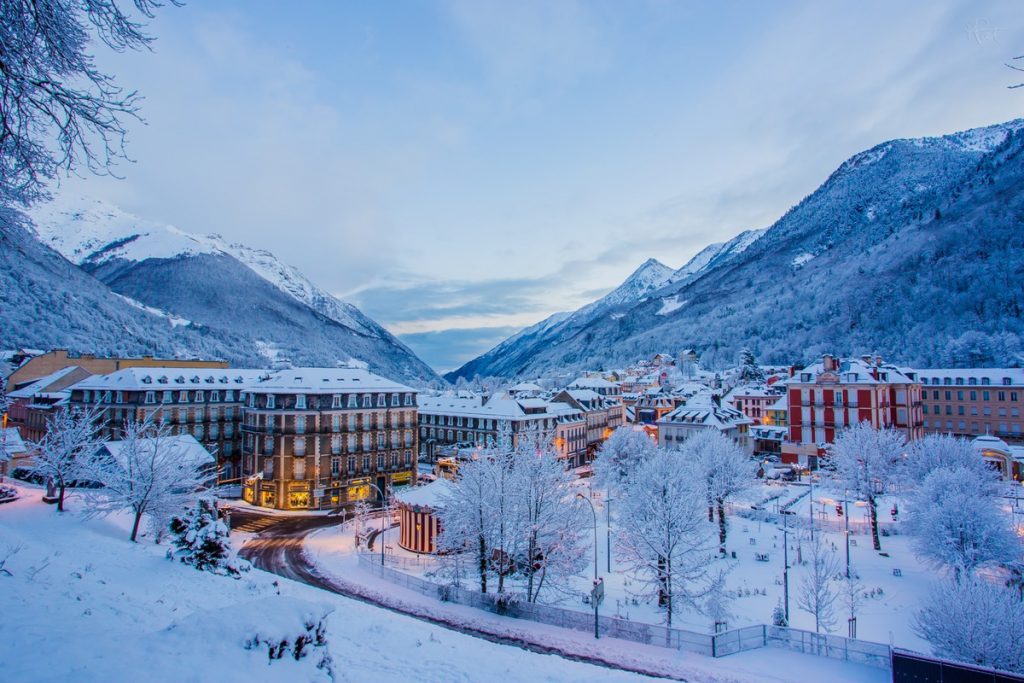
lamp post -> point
(846, 517)
(383, 519)
(608, 529)
(785, 562)
(593, 594)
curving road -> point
(278, 549)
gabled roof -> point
(701, 410)
(55, 381)
(190, 452)
(11, 443)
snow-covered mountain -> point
(250, 307)
(913, 249)
(648, 278)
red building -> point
(836, 393)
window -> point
(959, 395)
(182, 397)
(984, 396)
(366, 463)
(150, 397)
(935, 395)
(351, 464)
(335, 423)
(335, 466)
(985, 381)
(408, 399)
(229, 396)
(1001, 395)
(351, 422)
(198, 432)
(299, 446)
(949, 395)
(119, 397)
(353, 401)
(408, 458)
(381, 401)
(380, 460)
(229, 413)
(226, 449)
(367, 401)
(974, 395)
(959, 410)
(271, 400)
(1007, 381)
(106, 397)
(268, 445)
(199, 397)
(381, 440)
(300, 402)
(1013, 395)
(214, 430)
(394, 401)
(299, 468)
(214, 397)
(925, 408)
(300, 424)
(268, 468)
(336, 401)
(336, 445)
(367, 445)
(394, 459)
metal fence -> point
(717, 645)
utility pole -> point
(810, 479)
(598, 591)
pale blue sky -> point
(462, 169)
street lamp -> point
(383, 519)
(608, 529)
(846, 517)
(594, 592)
(785, 561)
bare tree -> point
(60, 455)
(148, 472)
(57, 109)
(866, 461)
(817, 592)
(853, 598)
(725, 469)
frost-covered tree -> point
(554, 547)
(60, 455)
(662, 537)
(943, 451)
(853, 597)
(723, 467)
(974, 620)
(149, 472)
(749, 370)
(818, 594)
(716, 604)
(779, 615)
(956, 522)
(201, 539)
(621, 455)
(866, 461)
(57, 108)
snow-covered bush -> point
(201, 539)
(779, 616)
(7, 493)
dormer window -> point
(214, 397)
(162, 379)
(229, 395)
(270, 401)
(336, 401)
(119, 397)
(223, 380)
(367, 401)
(209, 379)
(985, 381)
(394, 401)
(147, 380)
(150, 397)
(199, 397)
(972, 381)
(381, 401)
(353, 400)
(166, 397)
(1007, 381)
(408, 399)
(179, 379)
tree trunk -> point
(873, 512)
(721, 524)
(60, 498)
(663, 579)
(135, 525)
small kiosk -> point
(417, 515)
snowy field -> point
(757, 584)
(332, 550)
(83, 603)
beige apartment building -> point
(973, 402)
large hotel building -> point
(317, 438)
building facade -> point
(205, 403)
(318, 438)
(603, 414)
(828, 396)
(972, 402)
(58, 359)
(704, 411)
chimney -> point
(827, 362)
(867, 360)
(878, 361)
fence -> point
(717, 645)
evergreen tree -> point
(201, 539)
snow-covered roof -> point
(143, 379)
(429, 495)
(326, 381)
(11, 443)
(753, 390)
(525, 386)
(995, 376)
(185, 447)
(30, 390)
(850, 371)
(591, 383)
(702, 410)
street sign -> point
(597, 592)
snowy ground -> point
(332, 550)
(884, 617)
(83, 603)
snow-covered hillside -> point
(80, 602)
(912, 249)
